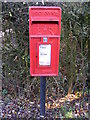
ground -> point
(70, 106)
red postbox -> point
(44, 39)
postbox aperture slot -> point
(45, 22)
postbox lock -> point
(45, 39)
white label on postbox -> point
(44, 54)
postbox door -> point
(46, 59)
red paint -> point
(44, 31)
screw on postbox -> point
(44, 36)
(44, 39)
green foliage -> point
(73, 64)
(4, 92)
(74, 43)
(69, 115)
